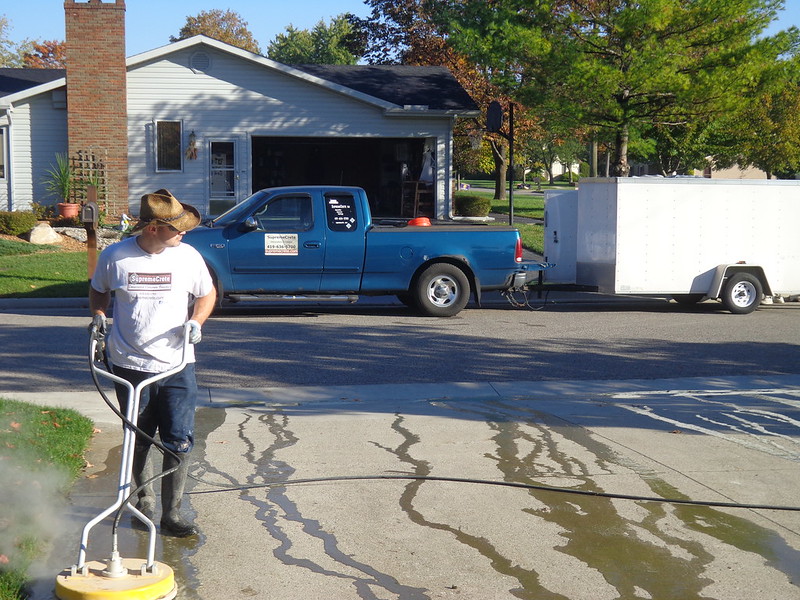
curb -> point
(16, 303)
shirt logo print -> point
(149, 282)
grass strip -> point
(43, 274)
(41, 455)
(13, 248)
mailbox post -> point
(90, 215)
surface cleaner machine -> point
(118, 578)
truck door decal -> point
(341, 212)
(280, 244)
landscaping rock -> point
(105, 237)
(42, 234)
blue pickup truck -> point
(320, 242)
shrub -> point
(66, 222)
(16, 222)
(467, 205)
(60, 180)
(43, 212)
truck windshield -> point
(240, 211)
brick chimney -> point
(97, 112)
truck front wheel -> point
(441, 290)
(742, 293)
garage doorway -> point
(379, 165)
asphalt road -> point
(573, 336)
(595, 394)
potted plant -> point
(60, 182)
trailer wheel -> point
(742, 293)
(441, 290)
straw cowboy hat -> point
(163, 207)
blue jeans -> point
(166, 406)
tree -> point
(49, 54)
(768, 132)
(676, 150)
(223, 25)
(11, 54)
(403, 32)
(335, 44)
(619, 65)
(396, 31)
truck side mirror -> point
(250, 224)
(90, 215)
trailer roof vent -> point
(200, 62)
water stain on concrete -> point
(639, 549)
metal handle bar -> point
(128, 441)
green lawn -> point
(31, 271)
(525, 205)
(41, 454)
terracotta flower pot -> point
(68, 209)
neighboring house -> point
(642, 169)
(213, 123)
(735, 173)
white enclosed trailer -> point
(688, 238)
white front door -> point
(225, 176)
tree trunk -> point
(621, 168)
(500, 169)
(593, 158)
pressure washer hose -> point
(226, 487)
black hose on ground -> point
(511, 484)
(407, 477)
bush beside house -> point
(468, 205)
(17, 222)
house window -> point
(2, 153)
(168, 146)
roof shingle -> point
(15, 80)
(434, 87)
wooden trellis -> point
(89, 168)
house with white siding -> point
(214, 123)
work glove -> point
(98, 328)
(98, 324)
(195, 333)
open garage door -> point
(382, 166)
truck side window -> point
(340, 210)
(286, 213)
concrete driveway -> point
(730, 440)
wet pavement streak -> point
(418, 539)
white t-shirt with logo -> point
(151, 299)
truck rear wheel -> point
(441, 290)
(742, 293)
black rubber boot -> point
(171, 495)
(142, 471)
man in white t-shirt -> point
(159, 284)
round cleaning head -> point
(94, 583)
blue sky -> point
(149, 23)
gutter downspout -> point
(9, 108)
